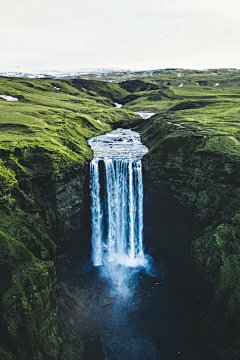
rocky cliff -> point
(195, 150)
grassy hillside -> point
(56, 120)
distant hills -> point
(110, 74)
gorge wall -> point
(207, 183)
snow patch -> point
(217, 84)
(8, 98)
(180, 85)
(57, 88)
(98, 121)
(197, 84)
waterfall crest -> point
(117, 198)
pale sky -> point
(127, 34)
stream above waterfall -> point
(118, 144)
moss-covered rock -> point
(204, 174)
(5, 355)
(44, 159)
(29, 306)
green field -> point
(212, 111)
(58, 121)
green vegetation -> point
(55, 121)
(29, 303)
(194, 147)
(44, 160)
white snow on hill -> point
(8, 98)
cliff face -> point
(208, 180)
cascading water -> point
(117, 212)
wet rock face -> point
(209, 183)
(81, 309)
(217, 257)
(69, 200)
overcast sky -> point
(127, 34)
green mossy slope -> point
(194, 147)
(29, 306)
(44, 160)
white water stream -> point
(145, 115)
(117, 198)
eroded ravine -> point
(127, 311)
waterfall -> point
(117, 198)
